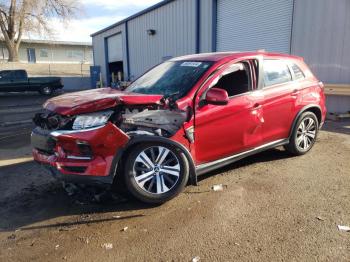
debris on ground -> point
(320, 218)
(344, 228)
(11, 237)
(70, 188)
(57, 246)
(85, 216)
(117, 217)
(124, 229)
(107, 246)
(87, 194)
(219, 187)
(196, 259)
(85, 240)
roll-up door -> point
(246, 25)
(115, 48)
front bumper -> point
(60, 152)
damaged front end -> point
(85, 145)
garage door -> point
(245, 25)
(115, 48)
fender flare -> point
(147, 138)
(303, 110)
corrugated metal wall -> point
(321, 34)
(175, 35)
(252, 25)
(206, 32)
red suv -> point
(184, 117)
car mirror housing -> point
(216, 96)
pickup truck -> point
(18, 81)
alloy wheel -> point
(306, 133)
(156, 170)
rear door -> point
(279, 98)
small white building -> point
(53, 52)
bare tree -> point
(25, 16)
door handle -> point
(295, 93)
(257, 106)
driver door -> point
(225, 130)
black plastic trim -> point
(144, 138)
(304, 109)
(81, 179)
(207, 167)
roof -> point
(149, 9)
(50, 42)
(218, 56)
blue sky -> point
(97, 14)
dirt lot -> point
(274, 208)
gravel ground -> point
(273, 208)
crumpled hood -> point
(97, 99)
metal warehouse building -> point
(318, 30)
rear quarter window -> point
(298, 73)
(276, 72)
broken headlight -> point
(91, 120)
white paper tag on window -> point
(191, 64)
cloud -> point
(77, 30)
(99, 14)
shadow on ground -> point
(41, 202)
(266, 156)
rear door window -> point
(276, 72)
(20, 74)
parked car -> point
(184, 117)
(18, 81)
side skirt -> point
(207, 167)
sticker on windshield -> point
(191, 64)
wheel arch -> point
(316, 109)
(117, 167)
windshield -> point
(170, 78)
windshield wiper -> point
(170, 99)
(170, 96)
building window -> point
(44, 53)
(4, 54)
(75, 54)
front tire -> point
(46, 90)
(304, 134)
(156, 172)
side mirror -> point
(216, 96)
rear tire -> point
(156, 172)
(46, 90)
(303, 135)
